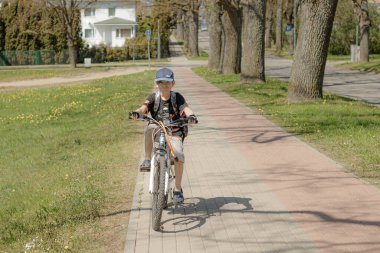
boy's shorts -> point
(175, 141)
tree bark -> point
(269, 23)
(215, 34)
(192, 21)
(307, 73)
(186, 32)
(252, 37)
(179, 29)
(361, 11)
(231, 21)
(279, 26)
(289, 9)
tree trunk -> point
(231, 21)
(179, 30)
(252, 37)
(72, 45)
(279, 26)
(73, 56)
(215, 34)
(307, 73)
(291, 41)
(361, 11)
(289, 9)
(269, 23)
(186, 32)
(192, 21)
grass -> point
(67, 164)
(372, 66)
(347, 131)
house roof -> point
(116, 21)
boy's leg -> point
(178, 168)
(145, 166)
(148, 141)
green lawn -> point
(372, 66)
(67, 164)
(347, 131)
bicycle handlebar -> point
(176, 123)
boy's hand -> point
(193, 119)
(134, 115)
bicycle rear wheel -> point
(158, 196)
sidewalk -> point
(251, 187)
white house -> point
(109, 22)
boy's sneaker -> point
(178, 197)
(145, 166)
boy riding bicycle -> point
(166, 105)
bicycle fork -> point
(165, 166)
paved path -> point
(252, 187)
(73, 79)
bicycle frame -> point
(161, 149)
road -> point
(347, 83)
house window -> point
(88, 33)
(111, 12)
(123, 33)
(89, 12)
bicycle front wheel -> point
(158, 196)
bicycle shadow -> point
(195, 212)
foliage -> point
(29, 25)
(347, 130)
(67, 157)
(344, 29)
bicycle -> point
(161, 171)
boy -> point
(159, 105)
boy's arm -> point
(187, 111)
(143, 109)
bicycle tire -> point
(158, 196)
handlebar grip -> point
(131, 115)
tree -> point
(289, 16)
(68, 13)
(279, 26)
(361, 11)
(307, 73)
(231, 23)
(179, 25)
(269, 23)
(214, 23)
(253, 33)
(192, 18)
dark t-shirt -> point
(181, 104)
(180, 101)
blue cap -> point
(164, 74)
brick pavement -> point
(252, 187)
